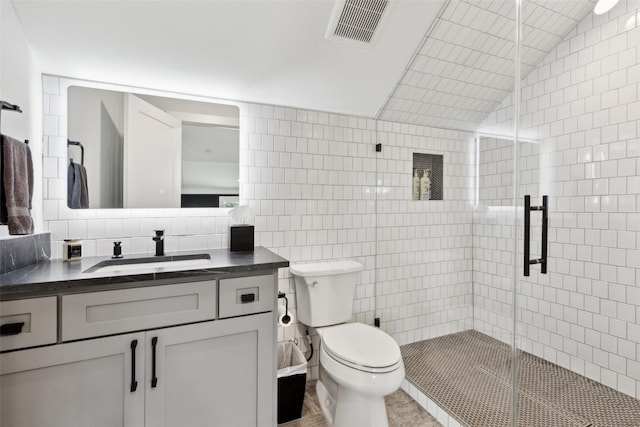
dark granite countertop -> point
(59, 277)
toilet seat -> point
(361, 347)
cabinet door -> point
(219, 373)
(80, 384)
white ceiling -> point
(268, 51)
(210, 143)
(436, 63)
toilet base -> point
(348, 408)
(357, 410)
(327, 402)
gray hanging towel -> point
(17, 186)
(77, 187)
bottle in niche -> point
(425, 185)
(416, 185)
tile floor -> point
(469, 373)
(401, 409)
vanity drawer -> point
(246, 295)
(109, 312)
(39, 316)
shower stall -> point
(516, 296)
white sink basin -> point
(175, 262)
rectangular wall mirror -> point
(128, 150)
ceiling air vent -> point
(357, 22)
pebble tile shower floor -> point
(469, 374)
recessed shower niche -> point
(427, 177)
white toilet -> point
(359, 364)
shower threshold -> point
(469, 375)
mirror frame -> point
(110, 191)
(55, 153)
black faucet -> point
(159, 239)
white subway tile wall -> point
(582, 107)
(493, 239)
(311, 179)
(431, 406)
(465, 66)
(321, 192)
(424, 247)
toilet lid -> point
(361, 345)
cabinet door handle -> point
(134, 383)
(11, 328)
(246, 298)
(154, 378)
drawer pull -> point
(245, 298)
(11, 328)
(154, 378)
(134, 383)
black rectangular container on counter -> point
(241, 237)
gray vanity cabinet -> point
(209, 372)
(212, 374)
(83, 383)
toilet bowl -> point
(365, 365)
(359, 364)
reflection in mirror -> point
(494, 183)
(204, 164)
(495, 172)
(130, 150)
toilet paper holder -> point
(286, 306)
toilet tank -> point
(324, 291)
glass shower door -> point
(445, 267)
(578, 128)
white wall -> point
(582, 106)
(20, 84)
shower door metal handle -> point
(545, 228)
(527, 230)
